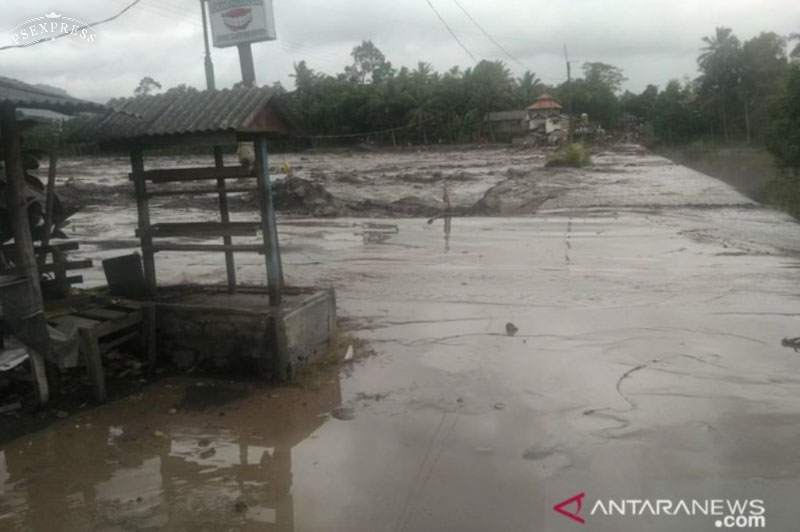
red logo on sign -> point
(577, 501)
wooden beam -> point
(50, 268)
(225, 217)
(69, 280)
(49, 202)
(203, 229)
(33, 328)
(175, 175)
(143, 208)
(197, 191)
(243, 248)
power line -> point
(62, 35)
(488, 36)
(450, 30)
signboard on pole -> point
(236, 22)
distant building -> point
(505, 125)
(545, 116)
(542, 122)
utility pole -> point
(210, 82)
(245, 57)
(570, 110)
(247, 65)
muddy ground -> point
(615, 330)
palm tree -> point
(528, 87)
(796, 50)
(720, 64)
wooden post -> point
(230, 264)
(17, 208)
(143, 208)
(34, 327)
(269, 225)
(49, 202)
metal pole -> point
(570, 125)
(246, 64)
(210, 82)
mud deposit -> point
(648, 305)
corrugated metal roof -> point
(21, 94)
(182, 113)
(545, 101)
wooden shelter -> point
(23, 309)
(194, 118)
(213, 119)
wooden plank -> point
(49, 202)
(143, 210)
(209, 248)
(90, 350)
(102, 314)
(71, 245)
(106, 347)
(175, 175)
(149, 334)
(76, 321)
(203, 229)
(39, 376)
(72, 279)
(68, 265)
(109, 327)
(225, 217)
(197, 191)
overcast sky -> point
(652, 40)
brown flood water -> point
(649, 309)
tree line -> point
(746, 91)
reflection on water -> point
(227, 466)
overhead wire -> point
(488, 36)
(62, 35)
(450, 31)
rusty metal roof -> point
(20, 94)
(187, 112)
(544, 102)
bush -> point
(574, 155)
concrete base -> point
(204, 323)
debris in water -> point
(511, 329)
(208, 453)
(792, 343)
(60, 414)
(499, 406)
(350, 353)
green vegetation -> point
(573, 155)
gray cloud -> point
(652, 40)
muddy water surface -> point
(646, 362)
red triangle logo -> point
(577, 501)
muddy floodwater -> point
(617, 334)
